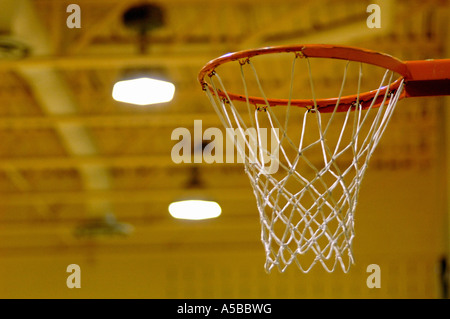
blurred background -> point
(87, 180)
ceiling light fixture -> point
(195, 209)
(195, 206)
(143, 91)
(144, 87)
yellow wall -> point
(398, 226)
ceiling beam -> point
(108, 61)
(111, 120)
(177, 2)
(340, 31)
(90, 33)
(119, 196)
(41, 163)
(55, 97)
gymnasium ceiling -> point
(69, 152)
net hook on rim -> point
(300, 54)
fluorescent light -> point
(143, 91)
(194, 209)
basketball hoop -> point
(322, 144)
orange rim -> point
(315, 51)
(415, 73)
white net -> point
(307, 181)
